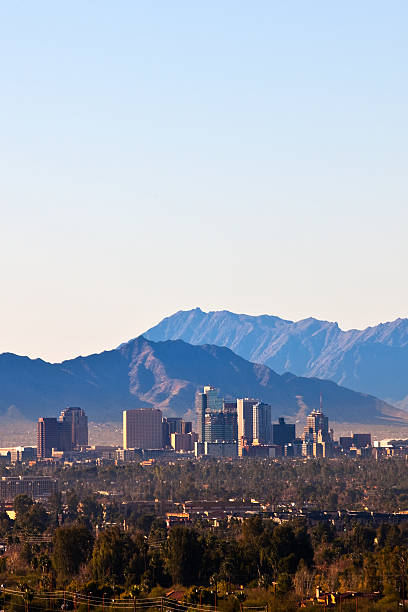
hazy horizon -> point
(232, 156)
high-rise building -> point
(77, 423)
(214, 400)
(208, 401)
(245, 409)
(47, 436)
(262, 423)
(174, 424)
(317, 421)
(283, 433)
(214, 427)
(142, 428)
(186, 427)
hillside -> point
(168, 375)
(373, 360)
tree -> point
(5, 524)
(183, 555)
(72, 548)
(21, 504)
(117, 557)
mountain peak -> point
(373, 360)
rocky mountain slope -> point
(168, 375)
(373, 360)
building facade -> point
(262, 423)
(142, 428)
(77, 423)
(283, 433)
(209, 401)
(245, 410)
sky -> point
(158, 156)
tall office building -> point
(52, 434)
(214, 400)
(208, 401)
(262, 423)
(283, 433)
(47, 436)
(77, 423)
(214, 427)
(142, 428)
(245, 410)
(317, 421)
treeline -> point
(322, 484)
(254, 560)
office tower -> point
(183, 441)
(230, 427)
(229, 410)
(186, 427)
(174, 424)
(77, 423)
(142, 428)
(230, 407)
(283, 433)
(245, 408)
(214, 427)
(214, 400)
(361, 440)
(317, 421)
(262, 423)
(53, 434)
(208, 401)
(64, 436)
(47, 436)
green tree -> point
(183, 555)
(118, 557)
(72, 548)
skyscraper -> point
(142, 428)
(208, 401)
(245, 409)
(283, 433)
(47, 436)
(77, 423)
(317, 421)
(262, 423)
(52, 434)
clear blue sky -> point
(164, 155)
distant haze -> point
(234, 155)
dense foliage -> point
(95, 539)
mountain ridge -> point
(372, 360)
(167, 375)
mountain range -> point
(168, 374)
(373, 360)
